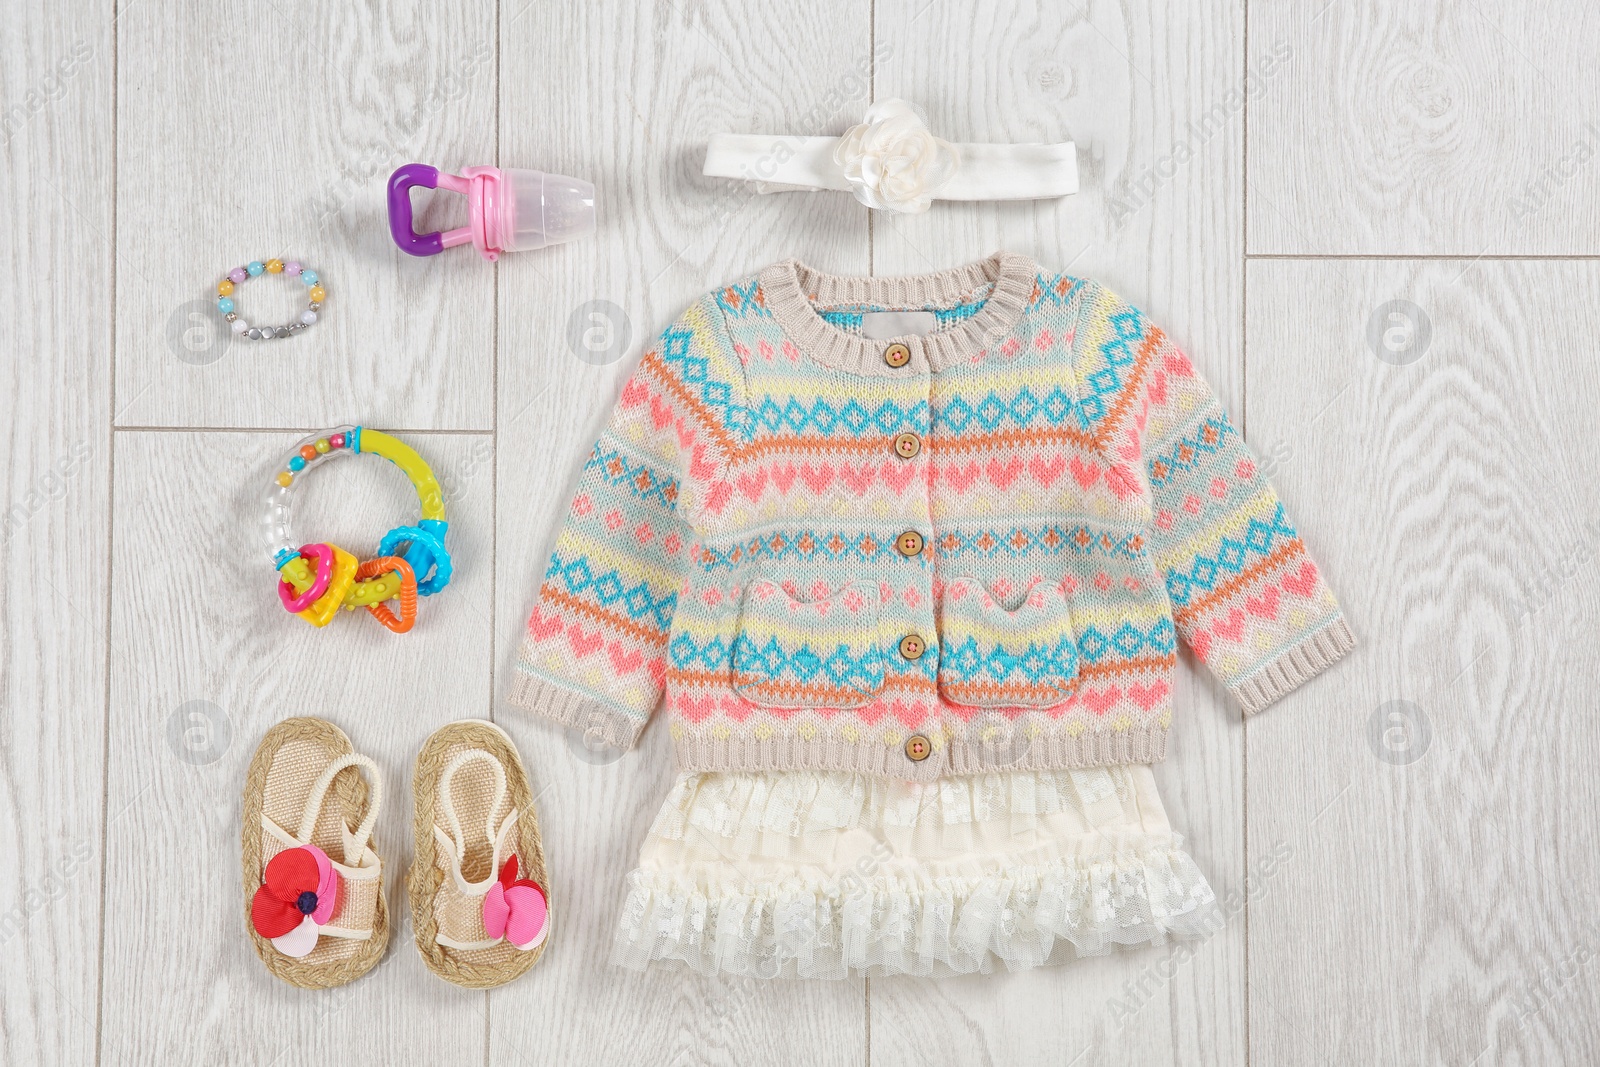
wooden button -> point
(907, 445)
(912, 646)
(897, 355)
(918, 748)
(909, 543)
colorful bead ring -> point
(254, 269)
(315, 580)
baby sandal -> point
(478, 885)
(313, 886)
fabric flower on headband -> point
(516, 909)
(892, 161)
(298, 895)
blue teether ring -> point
(425, 552)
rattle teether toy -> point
(254, 269)
(510, 210)
(316, 579)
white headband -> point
(893, 163)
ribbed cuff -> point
(1296, 667)
(575, 709)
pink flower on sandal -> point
(299, 891)
(516, 909)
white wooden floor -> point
(1408, 847)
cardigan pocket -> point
(822, 653)
(995, 657)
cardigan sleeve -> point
(594, 653)
(1246, 595)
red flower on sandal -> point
(298, 894)
(516, 909)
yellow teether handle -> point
(415, 467)
(322, 610)
(298, 573)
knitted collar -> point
(793, 290)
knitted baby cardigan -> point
(942, 554)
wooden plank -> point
(56, 182)
(1424, 129)
(1158, 219)
(634, 116)
(206, 660)
(287, 120)
(1434, 908)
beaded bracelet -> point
(254, 269)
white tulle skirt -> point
(824, 875)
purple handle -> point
(401, 228)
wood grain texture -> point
(290, 116)
(633, 115)
(194, 619)
(56, 177)
(1158, 219)
(1429, 128)
(1433, 893)
(1400, 910)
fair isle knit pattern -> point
(1075, 497)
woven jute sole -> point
(349, 793)
(455, 965)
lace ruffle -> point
(1019, 917)
(820, 875)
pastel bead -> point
(317, 293)
(224, 304)
(337, 440)
(296, 463)
(237, 275)
(309, 277)
(291, 268)
(225, 288)
(255, 267)
(274, 266)
(308, 452)
(322, 445)
(308, 317)
(240, 326)
(285, 479)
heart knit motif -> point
(859, 479)
(1123, 481)
(735, 708)
(660, 412)
(1233, 629)
(1086, 474)
(585, 645)
(817, 479)
(625, 660)
(1304, 581)
(1264, 606)
(1003, 474)
(1147, 696)
(783, 476)
(897, 474)
(696, 709)
(541, 626)
(752, 484)
(961, 478)
(1046, 473)
(1099, 701)
(911, 713)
